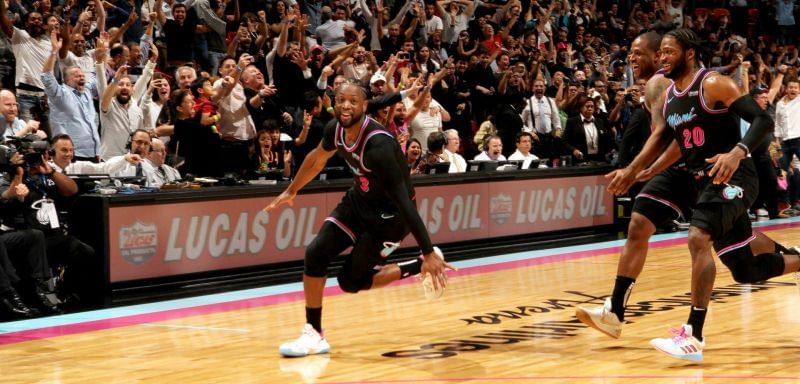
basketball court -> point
(503, 319)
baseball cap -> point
(758, 89)
(376, 78)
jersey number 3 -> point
(694, 137)
(364, 183)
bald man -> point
(163, 173)
(12, 124)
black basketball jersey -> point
(369, 185)
(701, 131)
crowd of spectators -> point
(163, 89)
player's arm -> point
(380, 159)
(718, 88)
(660, 138)
(669, 157)
(311, 167)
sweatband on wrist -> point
(744, 148)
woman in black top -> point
(198, 144)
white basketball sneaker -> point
(310, 342)
(681, 345)
(601, 319)
(427, 282)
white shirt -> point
(457, 162)
(14, 128)
(117, 124)
(484, 156)
(425, 122)
(129, 170)
(331, 33)
(109, 167)
(433, 24)
(526, 159)
(150, 110)
(592, 141)
(787, 118)
(85, 62)
(161, 175)
(453, 27)
(30, 54)
(236, 122)
(540, 112)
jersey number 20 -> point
(694, 137)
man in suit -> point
(585, 137)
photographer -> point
(41, 200)
(25, 246)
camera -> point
(31, 148)
(628, 97)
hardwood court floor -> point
(510, 322)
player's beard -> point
(678, 69)
(349, 121)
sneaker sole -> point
(692, 357)
(586, 318)
(290, 353)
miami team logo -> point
(500, 208)
(138, 242)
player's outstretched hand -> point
(725, 164)
(621, 181)
(285, 197)
(437, 268)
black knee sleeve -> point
(353, 284)
(360, 266)
(329, 243)
(747, 268)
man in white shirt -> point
(494, 150)
(457, 162)
(523, 152)
(120, 111)
(541, 118)
(13, 125)
(787, 123)
(433, 23)
(73, 51)
(138, 145)
(31, 48)
(236, 127)
(63, 152)
(162, 173)
(331, 31)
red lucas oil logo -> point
(500, 208)
(138, 242)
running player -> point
(374, 215)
